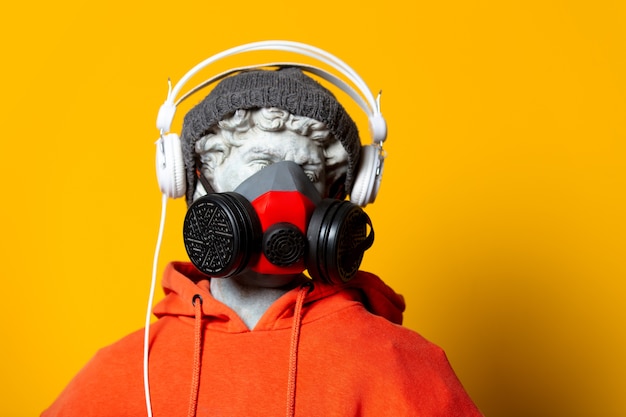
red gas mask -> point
(276, 222)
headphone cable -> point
(146, 340)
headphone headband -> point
(171, 169)
(366, 100)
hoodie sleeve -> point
(435, 389)
(414, 378)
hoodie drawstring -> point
(197, 352)
(293, 350)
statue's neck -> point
(248, 300)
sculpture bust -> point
(264, 339)
(241, 145)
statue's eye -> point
(312, 175)
(259, 164)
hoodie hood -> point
(182, 282)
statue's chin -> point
(255, 279)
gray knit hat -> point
(288, 89)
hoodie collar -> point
(182, 281)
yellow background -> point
(501, 216)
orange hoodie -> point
(319, 350)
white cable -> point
(146, 335)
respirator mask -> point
(276, 222)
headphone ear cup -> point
(368, 177)
(170, 166)
(337, 239)
(221, 232)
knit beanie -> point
(288, 89)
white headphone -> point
(169, 160)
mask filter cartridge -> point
(276, 222)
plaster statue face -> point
(252, 140)
(266, 148)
